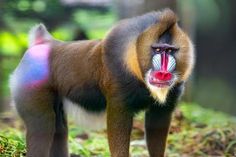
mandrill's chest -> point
(139, 98)
(136, 96)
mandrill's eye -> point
(164, 48)
(169, 50)
(158, 50)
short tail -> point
(39, 35)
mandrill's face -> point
(170, 60)
(163, 66)
(162, 74)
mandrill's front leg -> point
(157, 122)
(119, 125)
(157, 125)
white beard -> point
(159, 94)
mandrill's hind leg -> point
(60, 146)
(35, 106)
(46, 125)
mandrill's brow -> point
(164, 46)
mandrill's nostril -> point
(163, 76)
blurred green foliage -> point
(12, 44)
(197, 114)
(12, 143)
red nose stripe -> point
(164, 61)
(163, 75)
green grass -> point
(12, 143)
(195, 131)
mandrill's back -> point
(72, 70)
(74, 63)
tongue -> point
(162, 75)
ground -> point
(195, 132)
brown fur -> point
(108, 66)
(185, 56)
(131, 59)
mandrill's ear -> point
(38, 35)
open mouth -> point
(160, 79)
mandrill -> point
(142, 64)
